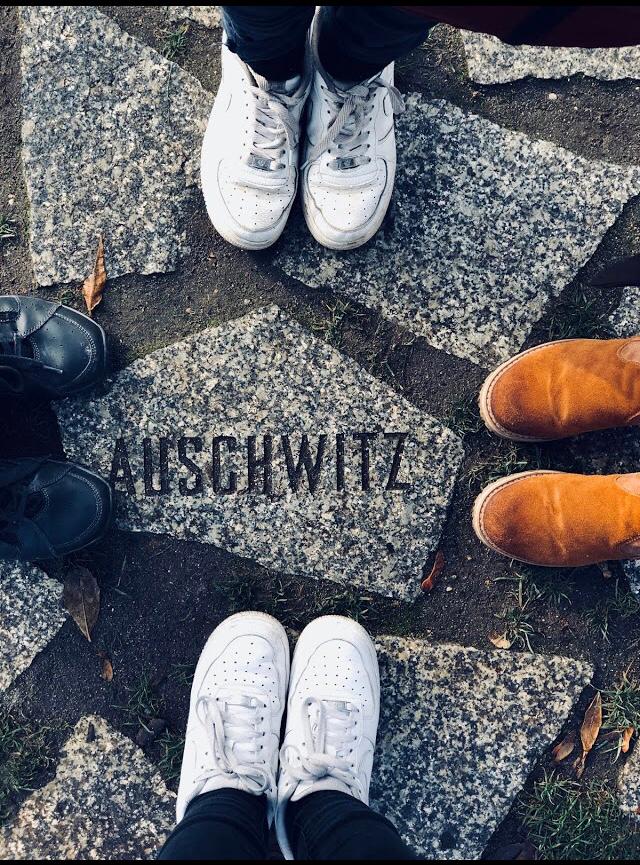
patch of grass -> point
(517, 626)
(577, 315)
(343, 602)
(567, 820)
(622, 604)
(331, 327)
(175, 43)
(7, 228)
(620, 710)
(182, 674)
(500, 460)
(143, 703)
(171, 749)
(26, 749)
(545, 584)
(463, 415)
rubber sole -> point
(484, 497)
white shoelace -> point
(347, 130)
(237, 722)
(333, 731)
(274, 129)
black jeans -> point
(355, 43)
(231, 824)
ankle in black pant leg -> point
(356, 42)
(222, 824)
(331, 825)
(271, 39)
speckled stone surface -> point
(30, 615)
(460, 731)
(629, 785)
(111, 138)
(208, 16)
(259, 375)
(106, 802)
(491, 61)
(625, 319)
(488, 226)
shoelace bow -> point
(237, 723)
(353, 107)
(12, 344)
(274, 128)
(333, 731)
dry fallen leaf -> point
(626, 740)
(107, 670)
(500, 641)
(429, 582)
(82, 598)
(564, 748)
(93, 285)
(589, 731)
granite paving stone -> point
(460, 731)
(31, 614)
(357, 484)
(111, 137)
(208, 16)
(625, 319)
(107, 801)
(629, 785)
(488, 226)
(491, 61)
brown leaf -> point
(591, 724)
(82, 598)
(500, 641)
(107, 670)
(589, 732)
(429, 582)
(564, 748)
(93, 285)
(626, 740)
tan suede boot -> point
(564, 388)
(557, 519)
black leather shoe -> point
(50, 508)
(46, 349)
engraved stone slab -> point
(259, 438)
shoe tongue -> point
(305, 788)
(288, 87)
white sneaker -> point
(350, 155)
(237, 700)
(249, 163)
(332, 716)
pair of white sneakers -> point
(254, 145)
(244, 680)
